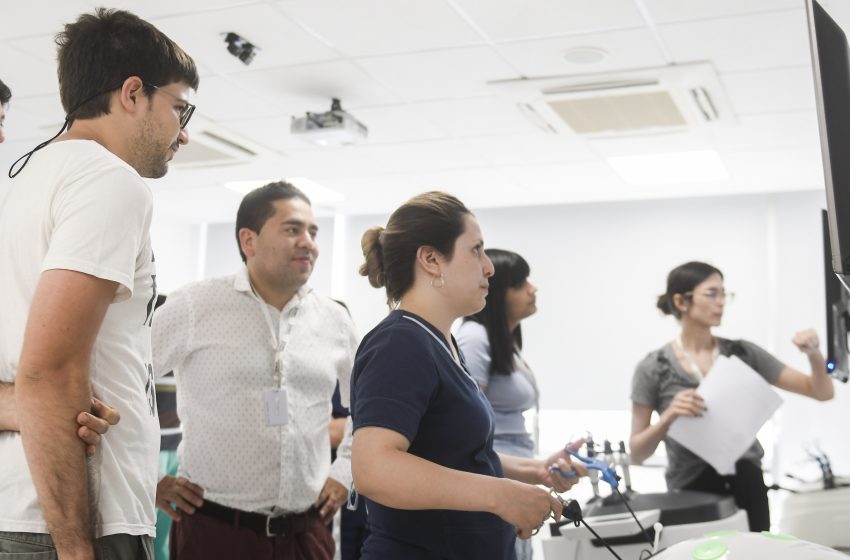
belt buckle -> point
(268, 527)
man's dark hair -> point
(510, 271)
(99, 51)
(258, 206)
(5, 93)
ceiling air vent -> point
(643, 101)
(210, 145)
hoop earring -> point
(442, 281)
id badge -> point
(277, 407)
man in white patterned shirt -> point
(256, 357)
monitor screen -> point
(831, 67)
(837, 315)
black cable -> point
(600, 539)
(628, 507)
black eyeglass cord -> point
(26, 157)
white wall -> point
(599, 268)
(176, 246)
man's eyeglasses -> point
(185, 112)
(714, 294)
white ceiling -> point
(416, 72)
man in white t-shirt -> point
(78, 285)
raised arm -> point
(818, 385)
(383, 471)
(52, 386)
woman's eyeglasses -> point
(714, 294)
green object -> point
(711, 550)
(168, 464)
(726, 533)
(778, 536)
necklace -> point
(695, 369)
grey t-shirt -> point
(658, 378)
(509, 395)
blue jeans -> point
(39, 546)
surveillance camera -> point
(240, 47)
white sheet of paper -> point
(738, 402)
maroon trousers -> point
(198, 537)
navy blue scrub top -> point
(405, 380)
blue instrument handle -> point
(608, 474)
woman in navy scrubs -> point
(423, 444)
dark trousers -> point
(199, 537)
(352, 534)
(747, 487)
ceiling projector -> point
(333, 128)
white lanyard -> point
(692, 362)
(446, 348)
(278, 341)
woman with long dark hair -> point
(491, 342)
(667, 379)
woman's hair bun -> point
(664, 304)
(373, 267)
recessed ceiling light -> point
(699, 166)
(585, 55)
(318, 194)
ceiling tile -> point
(424, 156)
(529, 148)
(504, 20)
(386, 124)
(397, 123)
(220, 99)
(476, 116)
(34, 18)
(450, 74)
(771, 91)
(271, 132)
(666, 11)
(361, 28)
(630, 48)
(311, 87)
(157, 8)
(753, 42)
(280, 40)
(759, 132)
(344, 161)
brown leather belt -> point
(262, 524)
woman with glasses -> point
(666, 381)
(423, 452)
(491, 342)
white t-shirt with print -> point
(76, 206)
